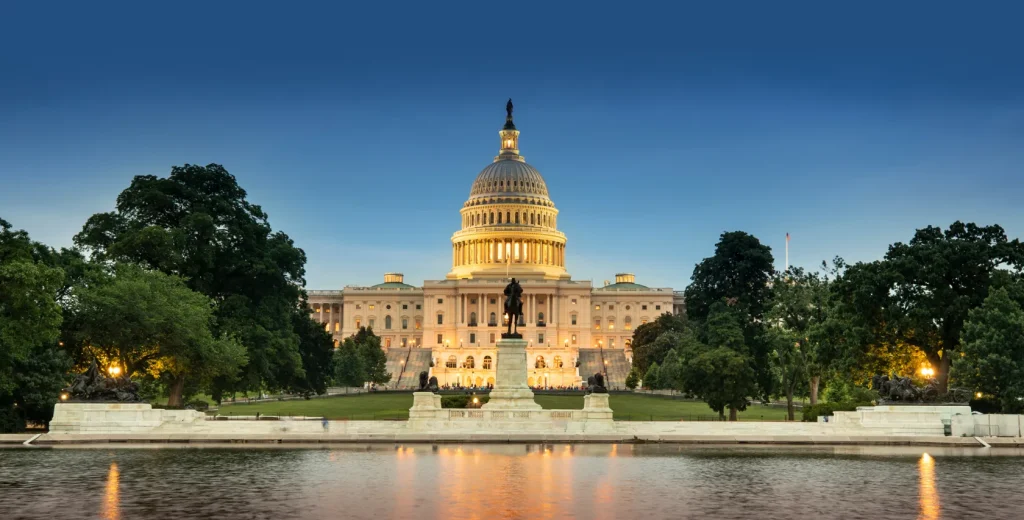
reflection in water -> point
(929, 496)
(112, 497)
(510, 481)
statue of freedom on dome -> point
(513, 308)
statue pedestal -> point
(425, 405)
(596, 407)
(510, 388)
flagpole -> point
(787, 251)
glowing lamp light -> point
(476, 400)
(978, 395)
(114, 371)
(64, 397)
(927, 371)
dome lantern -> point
(509, 138)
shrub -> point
(461, 401)
(811, 413)
(986, 405)
(11, 420)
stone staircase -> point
(593, 360)
(617, 368)
(405, 365)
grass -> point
(396, 406)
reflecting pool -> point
(511, 481)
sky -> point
(360, 127)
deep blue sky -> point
(360, 129)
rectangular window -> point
(418, 324)
(573, 339)
(643, 307)
(371, 307)
(611, 307)
(405, 323)
(440, 319)
(493, 301)
(473, 301)
(359, 306)
(611, 342)
(596, 307)
(357, 324)
(387, 342)
(573, 319)
(574, 301)
(540, 339)
(417, 306)
(440, 339)
(657, 307)
(440, 301)
(492, 337)
(371, 322)
(405, 306)
(472, 337)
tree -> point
(348, 366)
(316, 349)
(669, 373)
(38, 379)
(651, 378)
(920, 294)
(993, 351)
(148, 321)
(197, 224)
(373, 358)
(789, 364)
(29, 313)
(740, 272)
(644, 350)
(801, 306)
(633, 378)
(719, 370)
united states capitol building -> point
(509, 228)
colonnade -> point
(496, 251)
(491, 217)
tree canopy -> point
(993, 351)
(197, 224)
(150, 322)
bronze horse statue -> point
(513, 308)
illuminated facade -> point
(509, 229)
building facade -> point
(509, 229)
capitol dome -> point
(509, 223)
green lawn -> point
(396, 406)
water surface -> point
(511, 481)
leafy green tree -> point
(348, 366)
(38, 379)
(197, 224)
(719, 370)
(652, 377)
(148, 321)
(373, 358)
(920, 294)
(669, 373)
(801, 306)
(645, 351)
(740, 272)
(789, 364)
(316, 349)
(29, 313)
(633, 378)
(993, 351)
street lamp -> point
(114, 370)
(927, 371)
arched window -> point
(628, 322)
(387, 322)
(452, 363)
(405, 323)
(611, 323)
(533, 218)
(499, 217)
(487, 362)
(472, 318)
(539, 363)
(470, 362)
(517, 217)
(508, 217)
(493, 320)
(492, 218)
(597, 323)
(557, 361)
(540, 317)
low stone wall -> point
(118, 418)
(989, 425)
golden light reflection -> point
(929, 497)
(112, 497)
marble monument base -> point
(510, 390)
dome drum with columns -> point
(449, 327)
